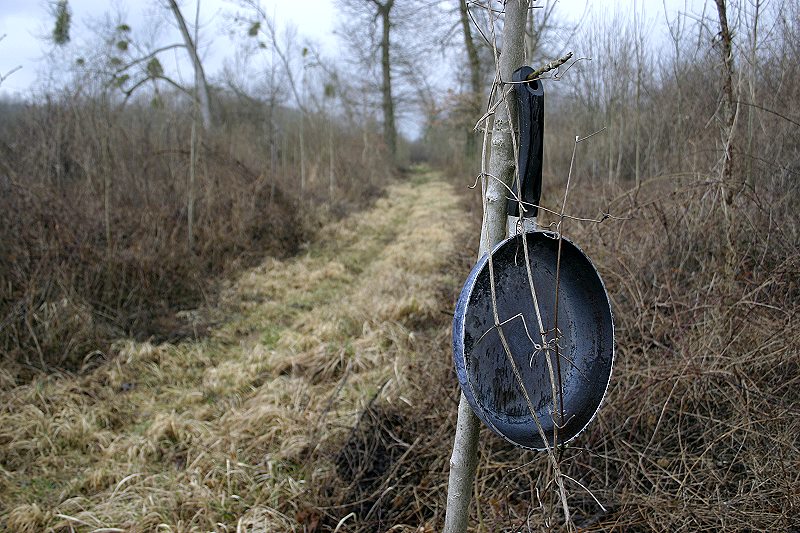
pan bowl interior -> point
(584, 336)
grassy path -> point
(228, 430)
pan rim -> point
(459, 355)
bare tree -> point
(199, 107)
(389, 130)
(541, 28)
(200, 82)
(729, 100)
(464, 459)
(362, 14)
(640, 42)
(262, 26)
(677, 31)
(127, 66)
(756, 6)
(262, 92)
(474, 62)
(5, 76)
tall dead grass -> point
(699, 430)
(239, 428)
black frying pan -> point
(502, 344)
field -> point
(322, 394)
(226, 303)
(242, 426)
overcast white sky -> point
(25, 22)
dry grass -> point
(699, 431)
(325, 397)
(94, 230)
(237, 430)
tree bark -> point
(464, 459)
(199, 74)
(194, 143)
(637, 129)
(474, 74)
(331, 161)
(729, 99)
(192, 180)
(273, 147)
(502, 162)
(751, 83)
(302, 153)
(389, 131)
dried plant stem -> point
(548, 67)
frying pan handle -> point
(530, 118)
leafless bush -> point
(699, 429)
(93, 222)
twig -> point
(581, 485)
(548, 67)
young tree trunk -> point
(610, 143)
(302, 154)
(638, 110)
(303, 103)
(192, 178)
(365, 141)
(194, 143)
(751, 83)
(676, 32)
(729, 100)
(199, 75)
(107, 204)
(464, 459)
(474, 74)
(620, 148)
(331, 161)
(273, 149)
(273, 130)
(389, 131)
